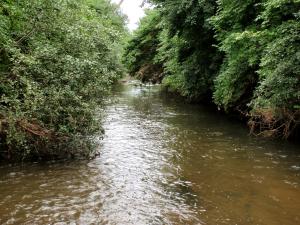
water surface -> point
(162, 162)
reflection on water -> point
(162, 162)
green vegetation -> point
(141, 50)
(57, 61)
(241, 55)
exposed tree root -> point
(266, 123)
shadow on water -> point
(162, 161)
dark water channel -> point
(162, 162)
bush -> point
(58, 59)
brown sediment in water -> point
(162, 161)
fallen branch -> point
(35, 129)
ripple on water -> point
(162, 162)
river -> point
(162, 161)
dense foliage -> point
(57, 60)
(185, 45)
(241, 55)
(141, 50)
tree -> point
(141, 49)
(243, 54)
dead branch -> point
(34, 129)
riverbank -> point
(243, 61)
(262, 131)
(58, 60)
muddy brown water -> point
(162, 162)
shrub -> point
(58, 59)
